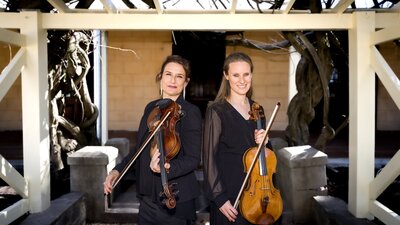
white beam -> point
(342, 6)
(386, 34)
(158, 6)
(197, 21)
(361, 115)
(13, 178)
(233, 6)
(60, 6)
(11, 37)
(100, 84)
(15, 211)
(35, 116)
(11, 20)
(289, 6)
(149, 20)
(11, 72)
(384, 214)
(294, 59)
(386, 176)
(383, 20)
(386, 75)
(109, 6)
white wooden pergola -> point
(367, 29)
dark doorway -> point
(206, 52)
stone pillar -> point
(89, 167)
(122, 144)
(301, 174)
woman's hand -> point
(229, 211)
(110, 179)
(258, 136)
(155, 163)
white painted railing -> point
(392, 169)
(13, 178)
(7, 172)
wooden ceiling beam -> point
(289, 6)
(60, 6)
(158, 6)
(342, 6)
(216, 21)
(109, 6)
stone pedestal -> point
(122, 144)
(89, 167)
(301, 175)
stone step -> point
(127, 204)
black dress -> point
(227, 136)
(181, 172)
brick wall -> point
(131, 79)
(135, 57)
(270, 77)
(11, 104)
(387, 111)
(131, 74)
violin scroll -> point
(256, 113)
(168, 195)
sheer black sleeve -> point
(212, 131)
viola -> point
(260, 201)
(168, 143)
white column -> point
(294, 59)
(361, 114)
(35, 113)
(100, 84)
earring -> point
(184, 93)
(161, 91)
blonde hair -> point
(225, 88)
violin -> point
(155, 125)
(168, 143)
(260, 201)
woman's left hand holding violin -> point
(155, 161)
(258, 136)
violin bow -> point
(145, 143)
(257, 153)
